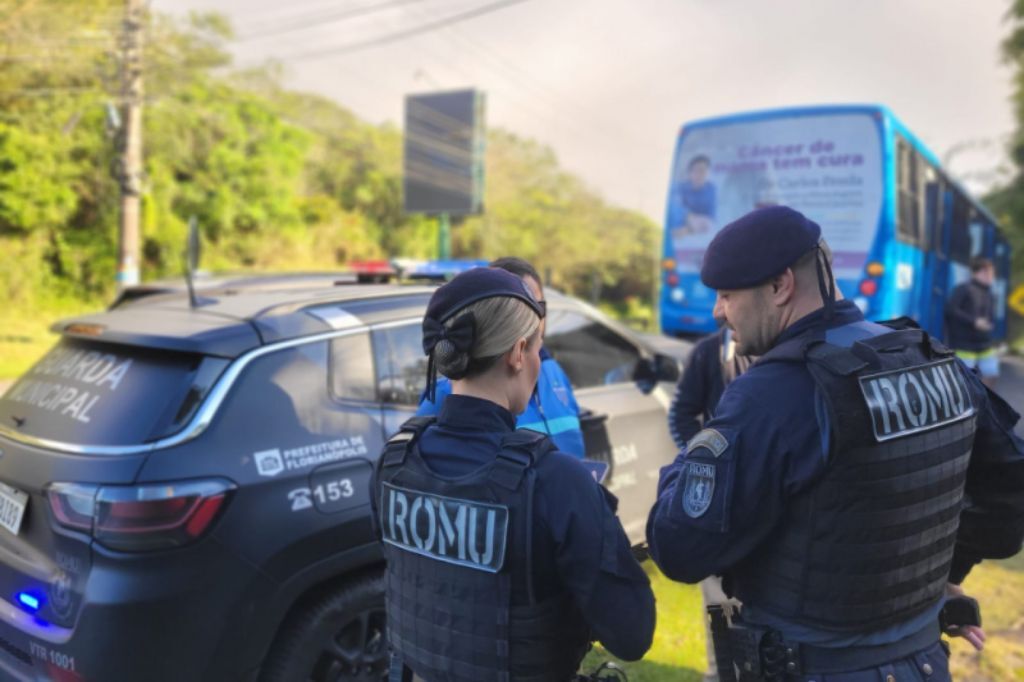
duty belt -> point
(747, 653)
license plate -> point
(12, 507)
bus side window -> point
(935, 215)
(910, 226)
(960, 238)
(976, 231)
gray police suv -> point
(184, 490)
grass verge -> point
(22, 342)
(678, 653)
(25, 335)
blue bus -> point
(902, 231)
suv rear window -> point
(88, 393)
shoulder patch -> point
(710, 439)
(699, 489)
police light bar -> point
(438, 269)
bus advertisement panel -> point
(827, 165)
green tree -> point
(54, 182)
(1008, 201)
(536, 210)
(277, 179)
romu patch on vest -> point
(915, 399)
(462, 532)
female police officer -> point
(505, 558)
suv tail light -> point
(139, 518)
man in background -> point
(712, 365)
(970, 320)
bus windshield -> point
(828, 166)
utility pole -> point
(131, 142)
(444, 237)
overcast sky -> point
(607, 83)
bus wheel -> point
(337, 635)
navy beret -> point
(475, 285)
(762, 244)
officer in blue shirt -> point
(848, 481)
(504, 557)
(552, 409)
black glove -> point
(958, 612)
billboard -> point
(828, 166)
(443, 163)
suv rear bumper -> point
(157, 617)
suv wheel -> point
(336, 636)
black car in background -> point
(184, 490)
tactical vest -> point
(870, 543)
(457, 551)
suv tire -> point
(335, 635)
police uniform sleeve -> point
(726, 492)
(992, 522)
(594, 561)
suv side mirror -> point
(667, 368)
(652, 370)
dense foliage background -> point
(279, 180)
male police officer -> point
(846, 477)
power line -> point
(47, 92)
(260, 14)
(322, 19)
(581, 127)
(63, 58)
(524, 79)
(407, 33)
(14, 15)
(521, 104)
(67, 41)
(524, 105)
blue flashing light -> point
(30, 601)
(441, 269)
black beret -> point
(475, 285)
(760, 245)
